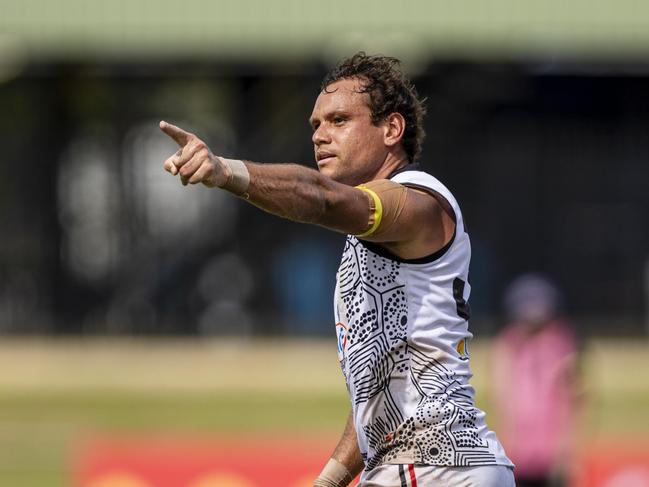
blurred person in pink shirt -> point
(535, 383)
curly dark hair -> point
(390, 91)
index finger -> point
(179, 135)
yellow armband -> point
(387, 200)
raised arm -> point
(287, 190)
(412, 224)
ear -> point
(393, 129)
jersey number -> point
(463, 308)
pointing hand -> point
(193, 161)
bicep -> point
(407, 218)
(421, 228)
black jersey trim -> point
(402, 476)
(438, 254)
(434, 194)
(383, 252)
(415, 167)
(412, 166)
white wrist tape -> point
(239, 177)
(334, 474)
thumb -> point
(179, 135)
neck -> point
(392, 163)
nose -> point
(321, 136)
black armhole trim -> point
(434, 194)
(413, 166)
(383, 252)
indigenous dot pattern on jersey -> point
(381, 364)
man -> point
(401, 290)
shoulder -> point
(420, 179)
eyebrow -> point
(336, 112)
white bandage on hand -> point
(334, 474)
(238, 178)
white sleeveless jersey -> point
(402, 342)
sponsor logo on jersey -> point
(463, 349)
(341, 337)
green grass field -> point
(54, 394)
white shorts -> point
(431, 476)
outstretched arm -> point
(286, 190)
(345, 463)
(418, 225)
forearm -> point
(302, 194)
(287, 190)
(348, 455)
(347, 451)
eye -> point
(338, 120)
